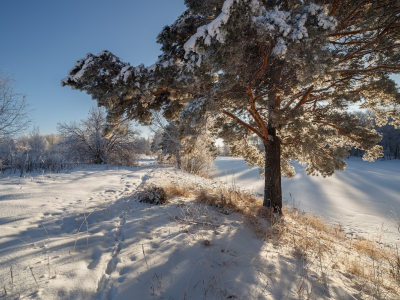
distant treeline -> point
(76, 143)
(390, 137)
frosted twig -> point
(148, 269)
(12, 278)
(31, 268)
(76, 239)
(46, 232)
(87, 234)
(196, 222)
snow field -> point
(363, 198)
(40, 218)
(131, 250)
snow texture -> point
(129, 248)
(276, 23)
(287, 29)
(192, 109)
(123, 74)
(127, 71)
(213, 29)
(361, 198)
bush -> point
(193, 152)
(85, 142)
(151, 194)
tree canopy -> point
(289, 72)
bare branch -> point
(14, 113)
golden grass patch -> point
(307, 237)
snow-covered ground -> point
(130, 250)
(361, 198)
(40, 215)
(126, 250)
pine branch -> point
(244, 124)
(368, 70)
(306, 95)
(335, 5)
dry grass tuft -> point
(230, 199)
(239, 201)
(321, 246)
(174, 190)
(205, 197)
(369, 248)
(312, 221)
(206, 243)
(355, 267)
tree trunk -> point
(178, 159)
(273, 188)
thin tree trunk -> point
(273, 188)
(178, 159)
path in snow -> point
(361, 198)
(40, 217)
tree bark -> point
(273, 188)
(178, 159)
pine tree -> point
(287, 72)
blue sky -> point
(41, 40)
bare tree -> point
(142, 145)
(37, 143)
(190, 149)
(170, 143)
(85, 141)
(7, 153)
(14, 115)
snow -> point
(192, 109)
(280, 49)
(128, 71)
(152, 68)
(124, 74)
(276, 23)
(287, 29)
(180, 250)
(55, 205)
(212, 29)
(83, 64)
(361, 198)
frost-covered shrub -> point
(190, 149)
(142, 145)
(37, 143)
(151, 194)
(7, 153)
(84, 142)
(200, 161)
(29, 154)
